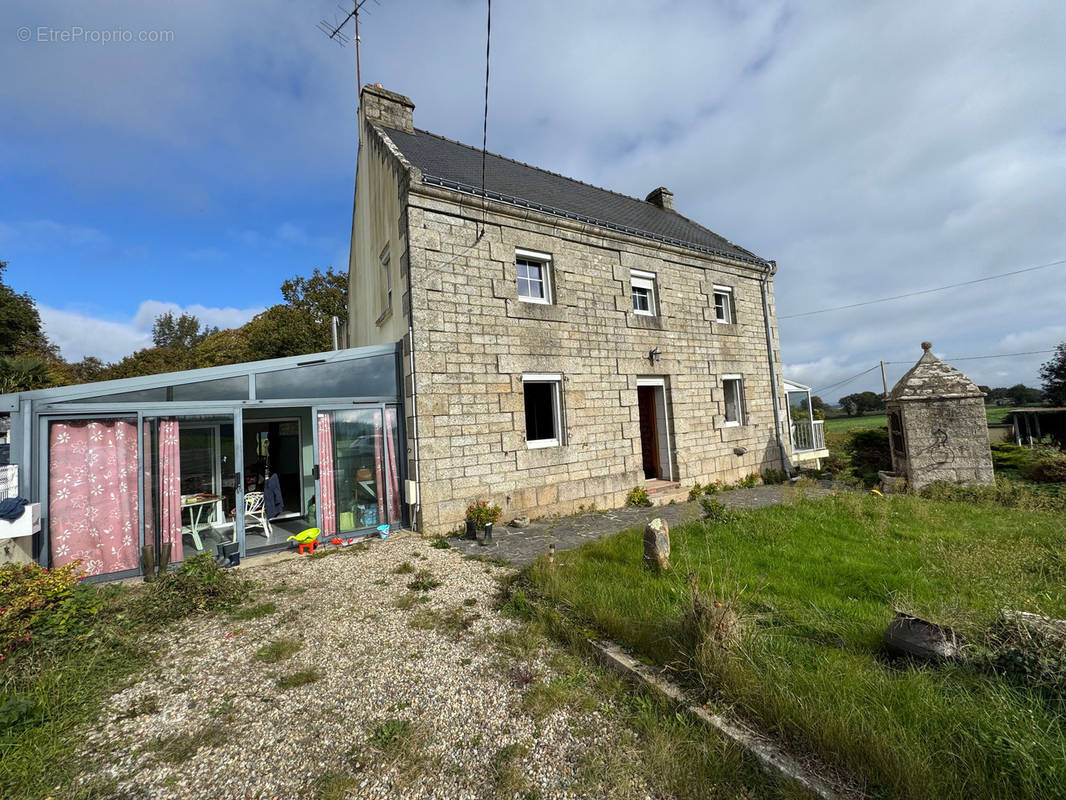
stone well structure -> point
(937, 426)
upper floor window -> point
(534, 276)
(733, 391)
(643, 289)
(723, 304)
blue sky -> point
(870, 148)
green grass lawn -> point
(819, 582)
(994, 414)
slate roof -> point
(932, 379)
(457, 166)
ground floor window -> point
(543, 407)
(733, 389)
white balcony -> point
(808, 435)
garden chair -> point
(255, 512)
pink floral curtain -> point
(170, 487)
(327, 506)
(92, 494)
(393, 466)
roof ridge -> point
(576, 180)
(722, 245)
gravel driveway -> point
(412, 694)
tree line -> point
(299, 325)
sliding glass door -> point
(357, 453)
(193, 495)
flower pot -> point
(471, 529)
(486, 535)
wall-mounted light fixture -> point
(655, 356)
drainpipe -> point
(771, 268)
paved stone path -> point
(521, 547)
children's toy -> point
(306, 540)
(336, 541)
(383, 531)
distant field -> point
(846, 424)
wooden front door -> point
(649, 433)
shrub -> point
(37, 601)
(1034, 655)
(1047, 470)
(638, 497)
(695, 492)
(1010, 456)
(869, 452)
(424, 581)
(481, 513)
(748, 481)
(772, 477)
(198, 585)
(716, 511)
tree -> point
(860, 403)
(282, 331)
(150, 361)
(182, 332)
(20, 324)
(22, 373)
(1053, 375)
(324, 295)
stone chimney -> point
(388, 109)
(661, 197)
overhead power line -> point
(847, 380)
(926, 291)
(485, 120)
(952, 358)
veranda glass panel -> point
(365, 377)
(359, 469)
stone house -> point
(561, 343)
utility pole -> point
(884, 380)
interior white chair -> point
(255, 510)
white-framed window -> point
(733, 394)
(386, 278)
(723, 304)
(544, 410)
(643, 289)
(534, 276)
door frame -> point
(662, 422)
(300, 435)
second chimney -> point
(661, 197)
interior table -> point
(196, 505)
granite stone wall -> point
(946, 440)
(474, 339)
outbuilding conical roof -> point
(932, 379)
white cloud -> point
(79, 334)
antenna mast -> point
(334, 30)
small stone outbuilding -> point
(937, 426)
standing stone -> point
(657, 545)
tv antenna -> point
(335, 31)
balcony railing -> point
(808, 435)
